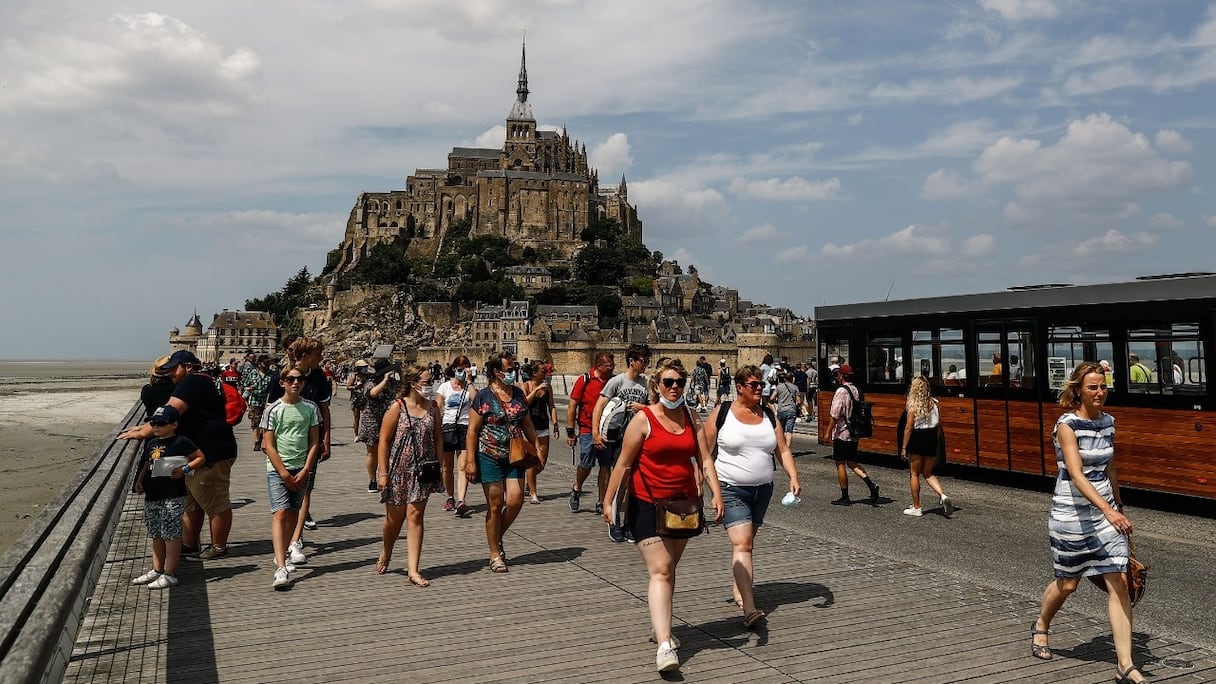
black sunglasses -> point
(158, 423)
(756, 385)
(674, 382)
(292, 379)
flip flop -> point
(753, 617)
(419, 581)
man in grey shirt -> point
(785, 396)
(630, 387)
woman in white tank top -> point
(920, 445)
(747, 440)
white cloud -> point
(494, 136)
(611, 157)
(945, 185)
(1096, 171)
(1209, 221)
(1021, 10)
(765, 232)
(795, 188)
(917, 241)
(792, 255)
(660, 193)
(1114, 242)
(955, 90)
(1172, 141)
(856, 118)
(1165, 221)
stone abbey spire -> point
(519, 152)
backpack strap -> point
(724, 408)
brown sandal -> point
(753, 617)
(1042, 652)
(418, 581)
(498, 565)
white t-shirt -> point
(452, 400)
(745, 452)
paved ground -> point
(854, 594)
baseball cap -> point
(164, 414)
(179, 357)
(845, 369)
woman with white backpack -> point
(920, 437)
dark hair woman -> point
(455, 396)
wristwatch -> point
(186, 470)
(569, 431)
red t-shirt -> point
(584, 394)
(664, 468)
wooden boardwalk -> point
(571, 609)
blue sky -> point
(159, 157)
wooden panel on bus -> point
(958, 421)
(1025, 448)
(1170, 450)
(887, 408)
(992, 428)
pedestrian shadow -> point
(347, 519)
(729, 632)
(1101, 649)
(547, 556)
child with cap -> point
(167, 460)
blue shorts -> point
(787, 421)
(745, 504)
(589, 456)
(280, 497)
(494, 470)
(164, 517)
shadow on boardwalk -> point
(571, 609)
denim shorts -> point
(786, 420)
(494, 470)
(280, 497)
(164, 517)
(589, 456)
(745, 504)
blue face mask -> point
(509, 378)
(672, 404)
(460, 374)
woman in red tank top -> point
(662, 449)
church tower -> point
(519, 152)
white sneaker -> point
(295, 553)
(147, 578)
(666, 659)
(281, 581)
(290, 568)
(948, 506)
(914, 512)
(163, 582)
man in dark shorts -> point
(583, 397)
(844, 445)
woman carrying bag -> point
(661, 451)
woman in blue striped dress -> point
(1087, 527)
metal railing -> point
(49, 574)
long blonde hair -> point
(920, 398)
(1070, 397)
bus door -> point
(1007, 412)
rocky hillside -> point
(389, 318)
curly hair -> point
(665, 364)
(920, 397)
(1070, 396)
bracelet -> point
(569, 432)
(186, 470)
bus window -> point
(988, 349)
(884, 358)
(1077, 343)
(939, 355)
(832, 353)
(1020, 361)
(1166, 359)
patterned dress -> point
(374, 409)
(1083, 542)
(413, 444)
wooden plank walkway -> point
(572, 608)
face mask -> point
(427, 391)
(672, 404)
(509, 378)
(460, 374)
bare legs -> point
(742, 537)
(462, 483)
(165, 554)
(370, 462)
(446, 460)
(394, 518)
(282, 524)
(918, 467)
(530, 478)
(842, 472)
(220, 525)
(414, 513)
(661, 556)
(503, 499)
(1119, 607)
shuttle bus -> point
(997, 362)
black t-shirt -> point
(800, 380)
(205, 423)
(159, 488)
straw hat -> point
(158, 369)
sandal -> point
(1123, 677)
(497, 565)
(418, 581)
(753, 617)
(382, 563)
(1042, 652)
(535, 499)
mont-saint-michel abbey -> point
(539, 190)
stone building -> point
(497, 327)
(231, 335)
(563, 319)
(538, 190)
(532, 279)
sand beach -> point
(53, 416)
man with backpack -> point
(629, 390)
(843, 430)
(579, 411)
(724, 381)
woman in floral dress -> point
(408, 468)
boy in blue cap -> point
(167, 460)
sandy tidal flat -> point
(47, 431)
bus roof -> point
(1149, 290)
